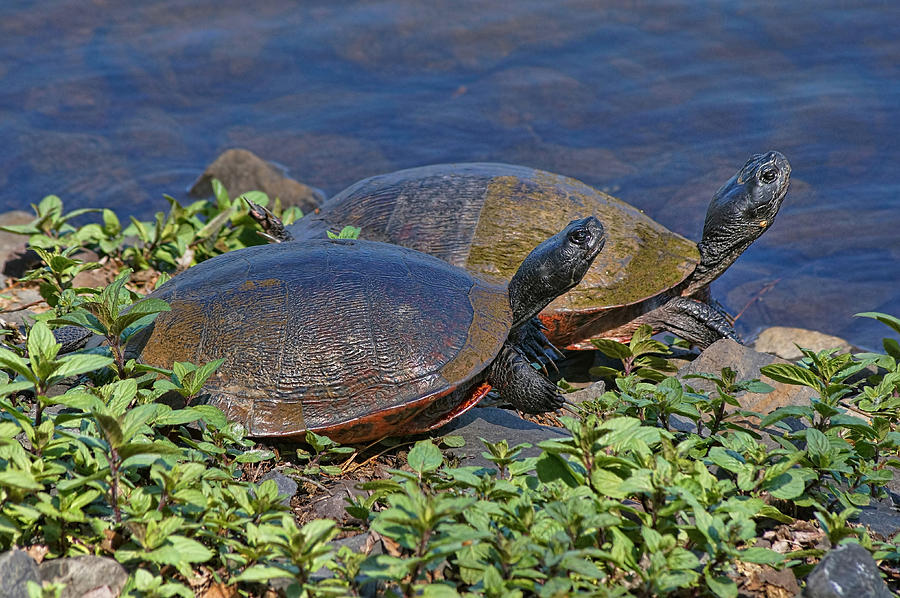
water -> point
(115, 103)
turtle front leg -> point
(531, 342)
(521, 385)
(695, 321)
(272, 227)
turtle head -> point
(740, 211)
(554, 267)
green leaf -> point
(262, 573)
(721, 586)
(80, 363)
(786, 486)
(110, 427)
(788, 373)
(40, 342)
(189, 550)
(883, 318)
(131, 449)
(817, 444)
(453, 441)
(611, 348)
(424, 457)
(11, 361)
(761, 556)
(19, 479)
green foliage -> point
(348, 232)
(642, 357)
(658, 490)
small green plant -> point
(643, 356)
(727, 388)
(348, 232)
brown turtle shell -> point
(354, 339)
(486, 217)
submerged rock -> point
(241, 170)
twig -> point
(765, 289)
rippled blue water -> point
(115, 103)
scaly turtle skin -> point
(484, 217)
(358, 339)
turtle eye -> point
(768, 175)
(579, 236)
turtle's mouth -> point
(596, 250)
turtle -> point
(359, 340)
(485, 216)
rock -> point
(241, 170)
(587, 394)
(494, 425)
(881, 516)
(286, 486)
(747, 363)
(333, 505)
(94, 575)
(16, 570)
(19, 298)
(782, 341)
(14, 256)
(846, 571)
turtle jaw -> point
(740, 211)
(553, 267)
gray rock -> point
(241, 170)
(286, 486)
(782, 341)
(16, 570)
(85, 575)
(494, 425)
(881, 516)
(333, 505)
(747, 363)
(18, 313)
(588, 393)
(846, 571)
(12, 245)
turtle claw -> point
(272, 227)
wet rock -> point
(85, 575)
(494, 425)
(332, 161)
(16, 570)
(286, 486)
(333, 505)
(747, 363)
(846, 571)
(241, 170)
(782, 341)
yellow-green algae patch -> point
(640, 259)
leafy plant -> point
(642, 356)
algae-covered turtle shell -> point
(486, 216)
